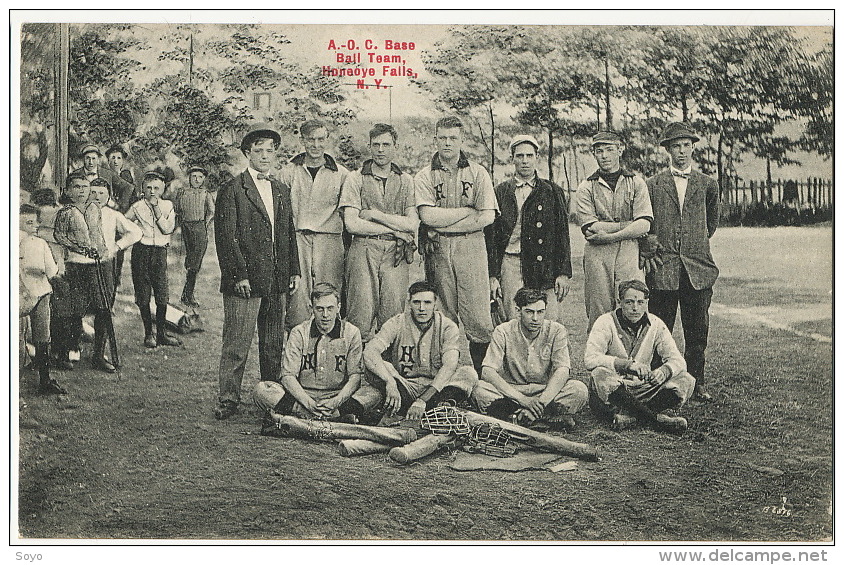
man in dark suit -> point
(259, 266)
(686, 207)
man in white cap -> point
(614, 210)
(686, 207)
(528, 244)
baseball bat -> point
(353, 447)
(330, 431)
(419, 448)
(538, 440)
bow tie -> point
(680, 175)
(262, 176)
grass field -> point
(144, 457)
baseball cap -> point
(524, 139)
(608, 137)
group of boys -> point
(71, 257)
(280, 242)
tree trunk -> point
(685, 105)
(491, 144)
(720, 160)
(550, 155)
(608, 109)
(61, 103)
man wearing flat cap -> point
(528, 244)
(259, 266)
(686, 207)
(122, 191)
(614, 210)
(194, 211)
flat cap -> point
(198, 169)
(155, 174)
(524, 139)
(608, 137)
(260, 131)
(677, 130)
(90, 148)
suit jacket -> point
(545, 246)
(245, 246)
(123, 192)
(684, 237)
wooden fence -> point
(781, 201)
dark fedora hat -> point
(677, 130)
(259, 132)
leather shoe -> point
(622, 421)
(673, 424)
(701, 395)
(51, 386)
(150, 341)
(225, 409)
(103, 364)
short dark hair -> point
(525, 296)
(115, 149)
(99, 181)
(421, 286)
(43, 197)
(634, 284)
(449, 122)
(311, 126)
(28, 209)
(72, 177)
(324, 289)
(381, 129)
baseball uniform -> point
(529, 364)
(606, 265)
(322, 364)
(614, 342)
(459, 261)
(319, 229)
(375, 284)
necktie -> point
(680, 175)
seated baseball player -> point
(416, 354)
(525, 376)
(619, 353)
(321, 369)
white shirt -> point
(118, 232)
(155, 232)
(265, 189)
(523, 190)
(681, 184)
(36, 265)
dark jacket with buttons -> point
(545, 246)
(244, 237)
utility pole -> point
(190, 68)
(60, 102)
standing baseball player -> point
(526, 369)
(619, 352)
(456, 201)
(613, 210)
(195, 212)
(422, 366)
(528, 244)
(379, 208)
(322, 370)
(686, 208)
(315, 178)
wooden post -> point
(753, 197)
(60, 103)
(779, 190)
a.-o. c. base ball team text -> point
(409, 260)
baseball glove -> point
(650, 253)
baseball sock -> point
(477, 351)
(622, 398)
(664, 400)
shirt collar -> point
(333, 334)
(531, 183)
(366, 169)
(596, 176)
(329, 163)
(436, 162)
(254, 174)
(688, 171)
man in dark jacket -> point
(686, 206)
(528, 244)
(259, 266)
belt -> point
(384, 236)
(457, 234)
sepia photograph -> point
(422, 276)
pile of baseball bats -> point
(404, 445)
